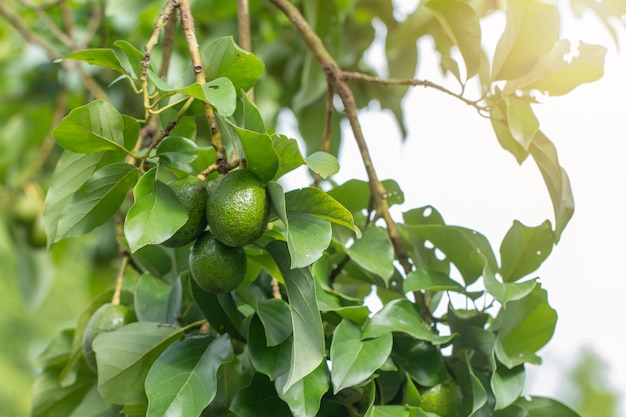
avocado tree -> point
(225, 294)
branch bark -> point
(337, 82)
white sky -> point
(452, 160)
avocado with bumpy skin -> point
(192, 194)
(443, 399)
(238, 208)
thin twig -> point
(54, 29)
(334, 77)
(119, 282)
(189, 32)
(26, 32)
(245, 39)
(328, 127)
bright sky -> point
(452, 160)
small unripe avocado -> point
(107, 318)
(192, 193)
(215, 267)
(238, 208)
(443, 399)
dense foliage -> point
(131, 97)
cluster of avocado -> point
(236, 212)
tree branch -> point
(339, 85)
(189, 31)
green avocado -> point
(192, 193)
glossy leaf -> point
(155, 215)
(124, 358)
(532, 28)
(308, 335)
(322, 163)
(97, 200)
(276, 317)
(355, 360)
(103, 57)
(470, 251)
(354, 194)
(220, 311)
(289, 156)
(522, 121)
(304, 396)
(507, 385)
(223, 58)
(499, 122)
(418, 280)
(401, 316)
(260, 155)
(461, 24)
(420, 360)
(259, 399)
(556, 180)
(174, 150)
(220, 93)
(374, 252)
(524, 326)
(555, 75)
(537, 406)
(317, 203)
(133, 57)
(156, 300)
(308, 237)
(394, 411)
(183, 380)
(524, 249)
(94, 127)
(271, 360)
(504, 292)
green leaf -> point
(125, 356)
(156, 300)
(133, 56)
(70, 174)
(50, 398)
(93, 405)
(272, 360)
(532, 28)
(220, 310)
(94, 127)
(276, 317)
(401, 316)
(220, 93)
(418, 280)
(544, 153)
(508, 291)
(260, 155)
(467, 249)
(97, 200)
(354, 194)
(461, 24)
(322, 163)
(524, 249)
(317, 203)
(289, 156)
(308, 334)
(103, 57)
(524, 326)
(374, 252)
(544, 407)
(521, 119)
(507, 385)
(183, 380)
(155, 215)
(223, 58)
(175, 150)
(355, 360)
(500, 124)
(555, 75)
(259, 399)
(418, 359)
(304, 396)
(393, 411)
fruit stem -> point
(120, 279)
(189, 32)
